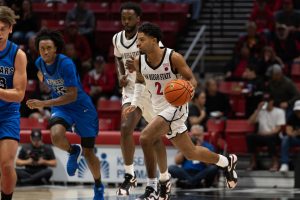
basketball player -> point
(70, 106)
(154, 68)
(13, 81)
(125, 50)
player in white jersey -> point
(125, 50)
(154, 68)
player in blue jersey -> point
(70, 105)
(13, 81)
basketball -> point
(178, 92)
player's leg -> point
(8, 150)
(184, 143)
(94, 165)
(59, 125)
(128, 147)
(149, 137)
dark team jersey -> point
(7, 68)
(60, 75)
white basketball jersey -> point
(156, 79)
(125, 49)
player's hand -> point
(192, 91)
(129, 64)
(123, 80)
(34, 103)
(128, 110)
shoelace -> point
(126, 181)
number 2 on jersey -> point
(158, 86)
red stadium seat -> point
(176, 12)
(32, 123)
(31, 86)
(105, 31)
(110, 110)
(106, 124)
(101, 10)
(170, 31)
(235, 135)
(115, 11)
(45, 10)
(151, 11)
(295, 72)
(53, 24)
(215, 130)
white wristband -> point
(138, 91)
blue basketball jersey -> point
(7, 68)
(61, 74)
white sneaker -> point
(284, 168)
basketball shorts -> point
(10, 125)
(145, 104)
(84, 121)
(177, 117)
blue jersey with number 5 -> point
(60, 75)
(7, 68)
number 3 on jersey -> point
(159, 90)
(3, 83)
(60, 90)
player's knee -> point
(55, 137)
(7, 168)
(145, 139)
(126, 129)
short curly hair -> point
(55, 36)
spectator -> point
(27, 25)
(282, 88)
(100, 81)
(270, 121)
(286, 44)
(255, 87)
(82, 47)
(85, 19)
(193, 174)
(70, 51)
(252, 39)
(288, 16)
(215, 101)
(197, 112)
(3, 3)
(267, 59)
(36, 158)
(262, 17)
(292, 136)
(238, 63)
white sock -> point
(223, 161)
(129, 169)
(164, 176)
(152, 182)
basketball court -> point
(86, 193)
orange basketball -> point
(178, 92)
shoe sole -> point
(232, 184)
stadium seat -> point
(105, 30)
(53, 24)
(170, 30)
(106, 124)
(295, 72)
(31, 86)
(115, 11)
(235, 135)
(32, 123)
(101, 10)
(151, 11)
(176, 12)
(215, 130)
(108, 109)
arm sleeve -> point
(68, 73)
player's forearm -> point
(59, 101)
(120, 66)
(12, 95)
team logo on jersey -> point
(166, 66)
